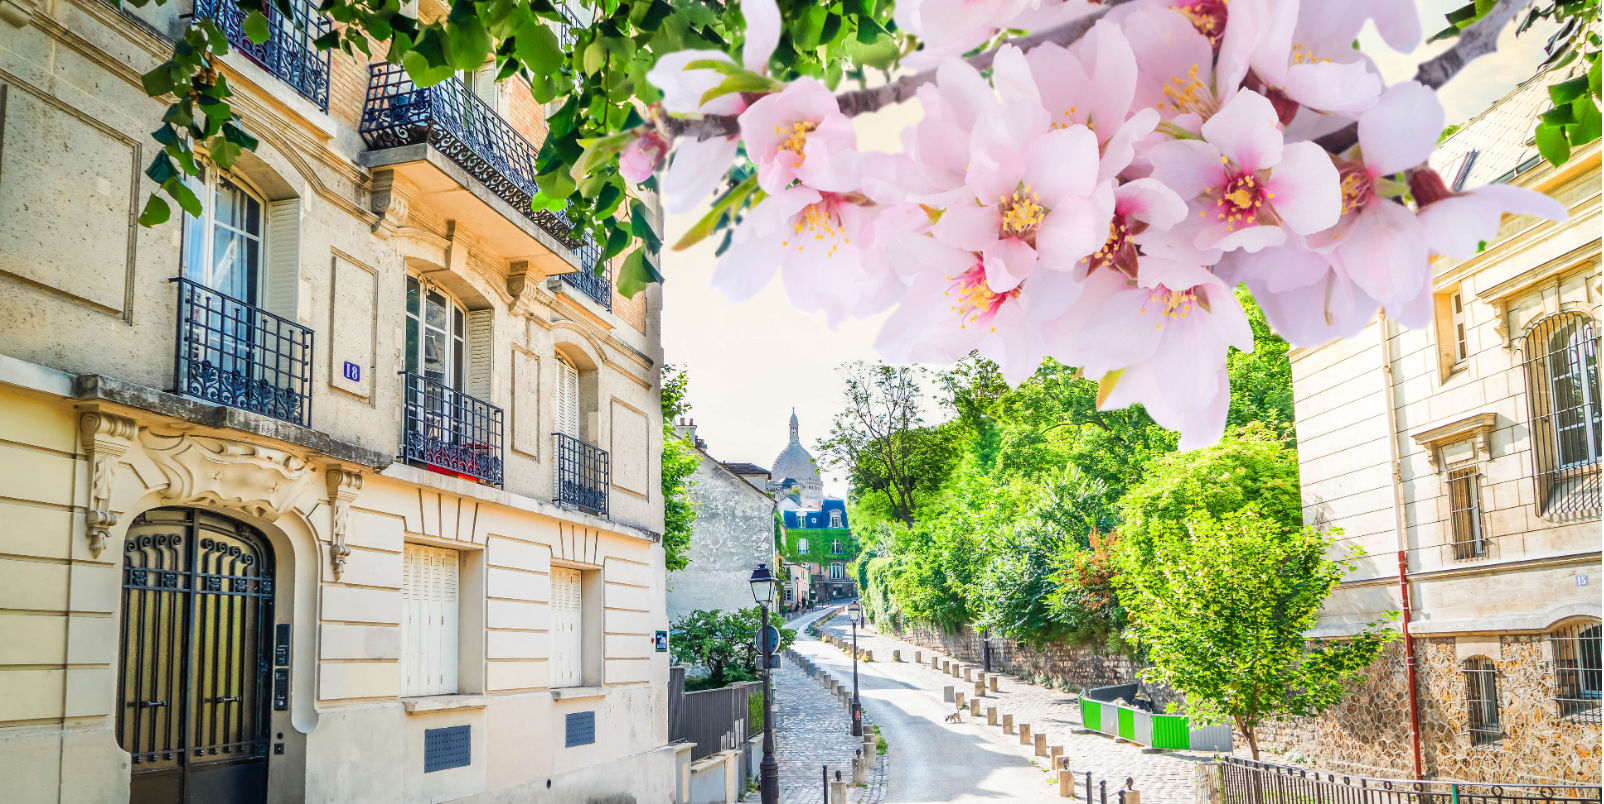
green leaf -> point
(1566, 91)
(594, 57)
(807, 26)
(742, 82)
(156, 212)
(223, 152)
(617, 240)
(467, 40)
(636, 273)
(158, 82)
(716, 65)
(426, 60)
(183, 195)
(538, 47)
(709, 222)
(1586, 129)
(1551, 143)
(640, 225)
(161, 169)
(255, 27)
(1559, 116)
(556, 184)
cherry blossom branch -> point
(863, 101)
(1475, 41)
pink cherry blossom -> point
(763, 27)
(1246, 183)
(697, 165)
(1308, 59)
(799, 134)
(1461, 224)
(642, 156)
(950, 310)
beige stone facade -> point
(372, 605)
(1494, 511)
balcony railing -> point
(598, 286)
(462, 126)
(581, 475)
(233, 354)
(449, 432)
(288, 52)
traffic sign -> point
(773, 645)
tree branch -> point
(863, 101)
(1478, 40)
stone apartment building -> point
(733, 533)
(346, 490)
(1465, 461)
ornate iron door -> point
(197, 627)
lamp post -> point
(854, 612)
(763, 585)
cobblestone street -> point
(1165, 778)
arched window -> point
(835, 547)
(838, 571)
(1578, 671)
(1567, 431)
(835, 519)
(436, 334)
(1481, 700)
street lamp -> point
(763, 585)
(854, 614)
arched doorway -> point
(196, 641)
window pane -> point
(412, 296)
(234, 259)
(412, 344)
(434, 355)
(456, 363)
(435, 312)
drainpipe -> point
(1403, 540)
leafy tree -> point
(679, 464)
(1014, 591)
(1221, 605)
(880, 438)
(1086, 601)
(722, 643)
(1261, 380)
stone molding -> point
(344, 485)
(1479, 427)
(106, 437)
(258, 480)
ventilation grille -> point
(444, 749)
(581, 729)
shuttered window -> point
(429, 621)
(566, 628)
(281, 287)
(567, 414)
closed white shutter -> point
(281, 282)
(481, 354)
(566, 628)
(429, 621)
(567, 416)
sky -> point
(751, 363)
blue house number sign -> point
(353, 372)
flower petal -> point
(1401, 131)
(1008, 262)
(1246, 131)
(762, 34)
(1074, 229)
(1187, 166)
(1150, 201)
(968, 226)
(1010, 74)
(1061, 164)
(697, 168)
(1305, 189)
(1333, 87)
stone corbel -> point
(522, 276)
(343, 488)
(387, 202)
(1479, 427)
(106, 437)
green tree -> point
(1221, 606)
(880, 439)
(723, 644)
(679, 464)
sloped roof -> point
(1500, 137)
(742, 468)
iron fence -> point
(289, 52)
(716, 720)
(581, 477)
(234, 354)
(1249, 782)
(463, 127)
(450, 432)
(1567, 426)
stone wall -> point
(1078, 667)
(1368, 733)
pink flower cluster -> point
(1098, 203)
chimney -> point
(687, 431)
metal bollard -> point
(1041, 744)
(991, 715)
(1102, 789)
(946, 694)
(1024, 734)
(1008, 724)
(993, 683)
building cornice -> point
(1478, 570)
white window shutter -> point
(281, 281)
(566, 628)
(429, 627)
(567, 415)
(481, 354)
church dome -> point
(797, 463)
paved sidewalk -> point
(1165, 778)
(813, 729)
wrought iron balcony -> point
(460, 125)
(581, 480)
(598, 286)
(288, 52)
(449, 432)
(233, 354)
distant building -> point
(734, 532)
(1474, 478)
(815, 530)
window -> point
(1578, 672)
(835, 547)
(1457, 306)
(1464, 498)
(788, 595)
(436, 334)
(801, 545)
(835, 519)
(429, 621)
(1481, 700)
(223, 247)
(567, 628)
(567, 414)
(838, 571)
(1463, 173)
(1562, 388)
